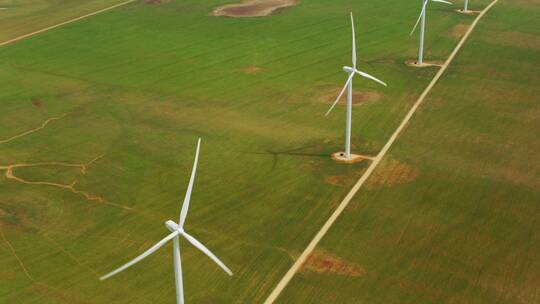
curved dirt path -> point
(43, 125)
(70, 187)
(322, 232)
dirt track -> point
(64, 23)
(43, 125)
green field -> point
(449, 217)
(25, 16)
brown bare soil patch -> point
(156, 1)
(253, 8)
(37, 103)
(321, 261)
(359, 97)
(391, 173)
(518, 39)
(459, 30)
(252, 70)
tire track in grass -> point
(38, 286)
(322, 232)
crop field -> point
(100, 117)
(20, 17)
(452, 213)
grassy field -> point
(19, 17)
(136, 86)
(451, 215)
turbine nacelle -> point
(352, 71)
(172, 226)
(348, 69)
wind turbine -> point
(466, 6)
(422, 20)
(352, 71)
(177, 230)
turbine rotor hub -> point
(348, 69)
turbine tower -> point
(351, 71)
(466, 6)
(177, 230)
(422, 21)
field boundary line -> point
(322, 232)
(64, 23)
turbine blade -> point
(353, 43)
(340, 94)
(423, 11)
(140, 257)
(206, 251)
(187, 198)
(366, 75)
(442, 1)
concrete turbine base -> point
(425, 64)
(468, 12)
(355, 158)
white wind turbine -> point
(352, 71)
(466, 6)
(422, 20)
(177, 230)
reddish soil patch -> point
(253, 8)
(37, 103)
(252, 70)
(391, 173)
(459, 30)
(323, 262)
(359, 97)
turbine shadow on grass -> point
(290, 152)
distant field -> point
(134, 87)
(451, 215)
(19, 17)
